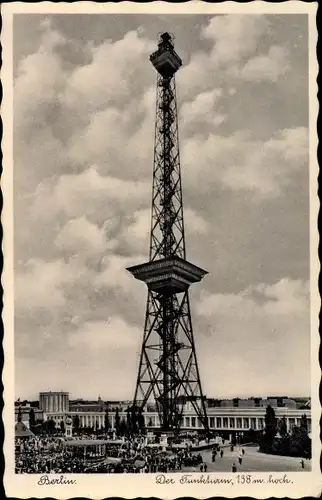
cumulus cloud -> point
(114, 334)
(114, 275)
(267, 67)
(235, 37)
(265, 324)
(102, 353)
(240, 163)
(39, 80)
(36, 289)
(116, 139)
(114, 72)
(89, 193)
(202, 110)
(194, 222)
(135, 236)
(83, 155)
(79, 236)
(235, 55)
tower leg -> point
(168, 375)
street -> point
(253, 461)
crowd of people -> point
(38, 454)
(47, 454)
(156, 459)
(55, 454)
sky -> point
(84, 104)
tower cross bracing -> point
(168, 374)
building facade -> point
(224, 416)
(220, 419)
(54, 402)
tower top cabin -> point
(165, 60)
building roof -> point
(91, 442)
(86, 406)
(21, 430)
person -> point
(205, 467)
(302, 463)
(243, 451)
(240, 460)
(221, 453)
(234, 468)
(213, 457)
(201, 467)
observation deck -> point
(168, 276)
(165, 60)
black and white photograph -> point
(162, 265)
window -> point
(261, 423)
(225, 422)
(232, 423)
(253, 423)
(239, 423)
(212, 422)
(193, 421)
(218, 422)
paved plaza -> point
(253, 461)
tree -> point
(123, 427)
(300, 443)
(106, 420)
(140, 420)
(62, 426)
(117, 421)
(303, 424)
(250, 436)
(282, 427)
(270, 430)
(40, 427)
(50, 426)
(76, 422)
(32, 418)
(128, 420)
(270, 423)
(281, 446)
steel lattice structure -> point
(168, 371)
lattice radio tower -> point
(168, 371)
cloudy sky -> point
(84, 103)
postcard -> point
(160, 250)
